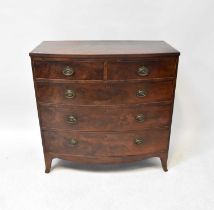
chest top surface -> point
(103, 48)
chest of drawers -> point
(105, 101)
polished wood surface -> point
(96, 118)
(158, 68)
(105, 101)
(105, 93)
(82, 70)
(111, 144)
(103, 48)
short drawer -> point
(145, 69)
(69, 70)
(106, 118)
(106, 143)
(105, 93)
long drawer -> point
(105, 93)
(105, 118)
(106, 143)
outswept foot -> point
(163, 159)
(48, 161)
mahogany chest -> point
(105, 101)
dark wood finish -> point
(160, 68)
(105, 104)
(48, 161)
(163, 158)
(105, 159)
(105, 94)
(111, 144)
(82, 70)
(96, 118)
(79, 49)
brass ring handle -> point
(68, 71)
(69, 94)
(141, 93)
(140, 118)
(139, 141)
(72, 119)
(143, 71)
(72, 142)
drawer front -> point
(145, 69)
(106, 144)
(69, 70)
(97, 118)
(104, 94)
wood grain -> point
(96, 118)
(127, 70)
(78, 49)
(82, 70)
(106, 143)
(104, 94)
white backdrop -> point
(187, 25)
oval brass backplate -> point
(72, 119)
(68, 71)
(140, 118)
(69, 94)
(143, 71)
(72, 142)
(141, 93)
(139, 141)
